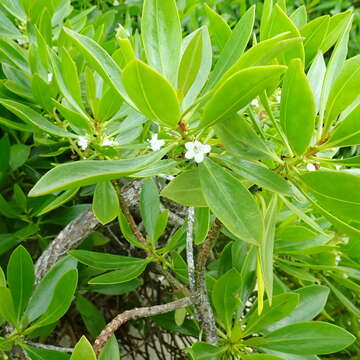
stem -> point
(190, 249)
(204, 307)
(138, 313)
(50, 347)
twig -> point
(50, 347)
(204, 308)
(190, 249)
(137, 313)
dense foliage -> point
(199, 157)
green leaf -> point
(299, 16)
(262, 357)
(312, 301)
(342, 200)
(2, 278)
(150, 207)
(57, 202)
(297, 109)
(120, 276)
(279, 23)
(104, 261)
(203, 351)
(83, 350)
(309, 338)
(225, 297)
(201, 225)
(110, 350)
(161, 224)
(100, 60)
(161, 105)
(314, 33)
(316, 76)
(19, 154)
(32, 117)
(60, 302)
(7, 307)
(347, 132)
(345, 89)
(105, 202)
(20, 278)
(46, 289)
(282, 305)
(88, 172)
(220, 31)
(161, 36)
(334, 67)
(234, 47)
(195, 65)
(267, 246)
(185, 189)
(231, 202)
(260, 175)
(238, 91)
(128, 233)
(44, 354)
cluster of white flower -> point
(194, 149)
(255, 103)
(83, 142)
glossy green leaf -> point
(99, 59)
(261, 357)
(225, 297)
(45, 290)
(31, 117)
(316, 76)
(58, 201)
(150, 206)
(231, 202)
(334, 67)
(282, 305)
(83, 350)
(312, 301)
(44, 354)
(260, 175)
(279, 23)
(204, 351)
(347, 132)
(309, 338)
(220, 31)
(238, 91)
(104, 261)
(61, 300)
(20, 278)
(337, 26)
(152, 93)
(87, 172)
(299, 16)
(345, 89)
(105, 202)
(7, 307)
(132, 271)
(110, 350)
(195, 65)
(201, 225)
(297, 109)
(162, 36)
(128, 233)
(234, 47)
(314, 33)
(185, 189)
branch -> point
(190, 249)
(137, 313)
(204, 308)
(50, 347)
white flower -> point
(255, 103)
(116, 3)
(108, 142)
(83, 142)
(155, 143)
(278, 99)
(196, 150)
(310, 167)
(50, 77)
